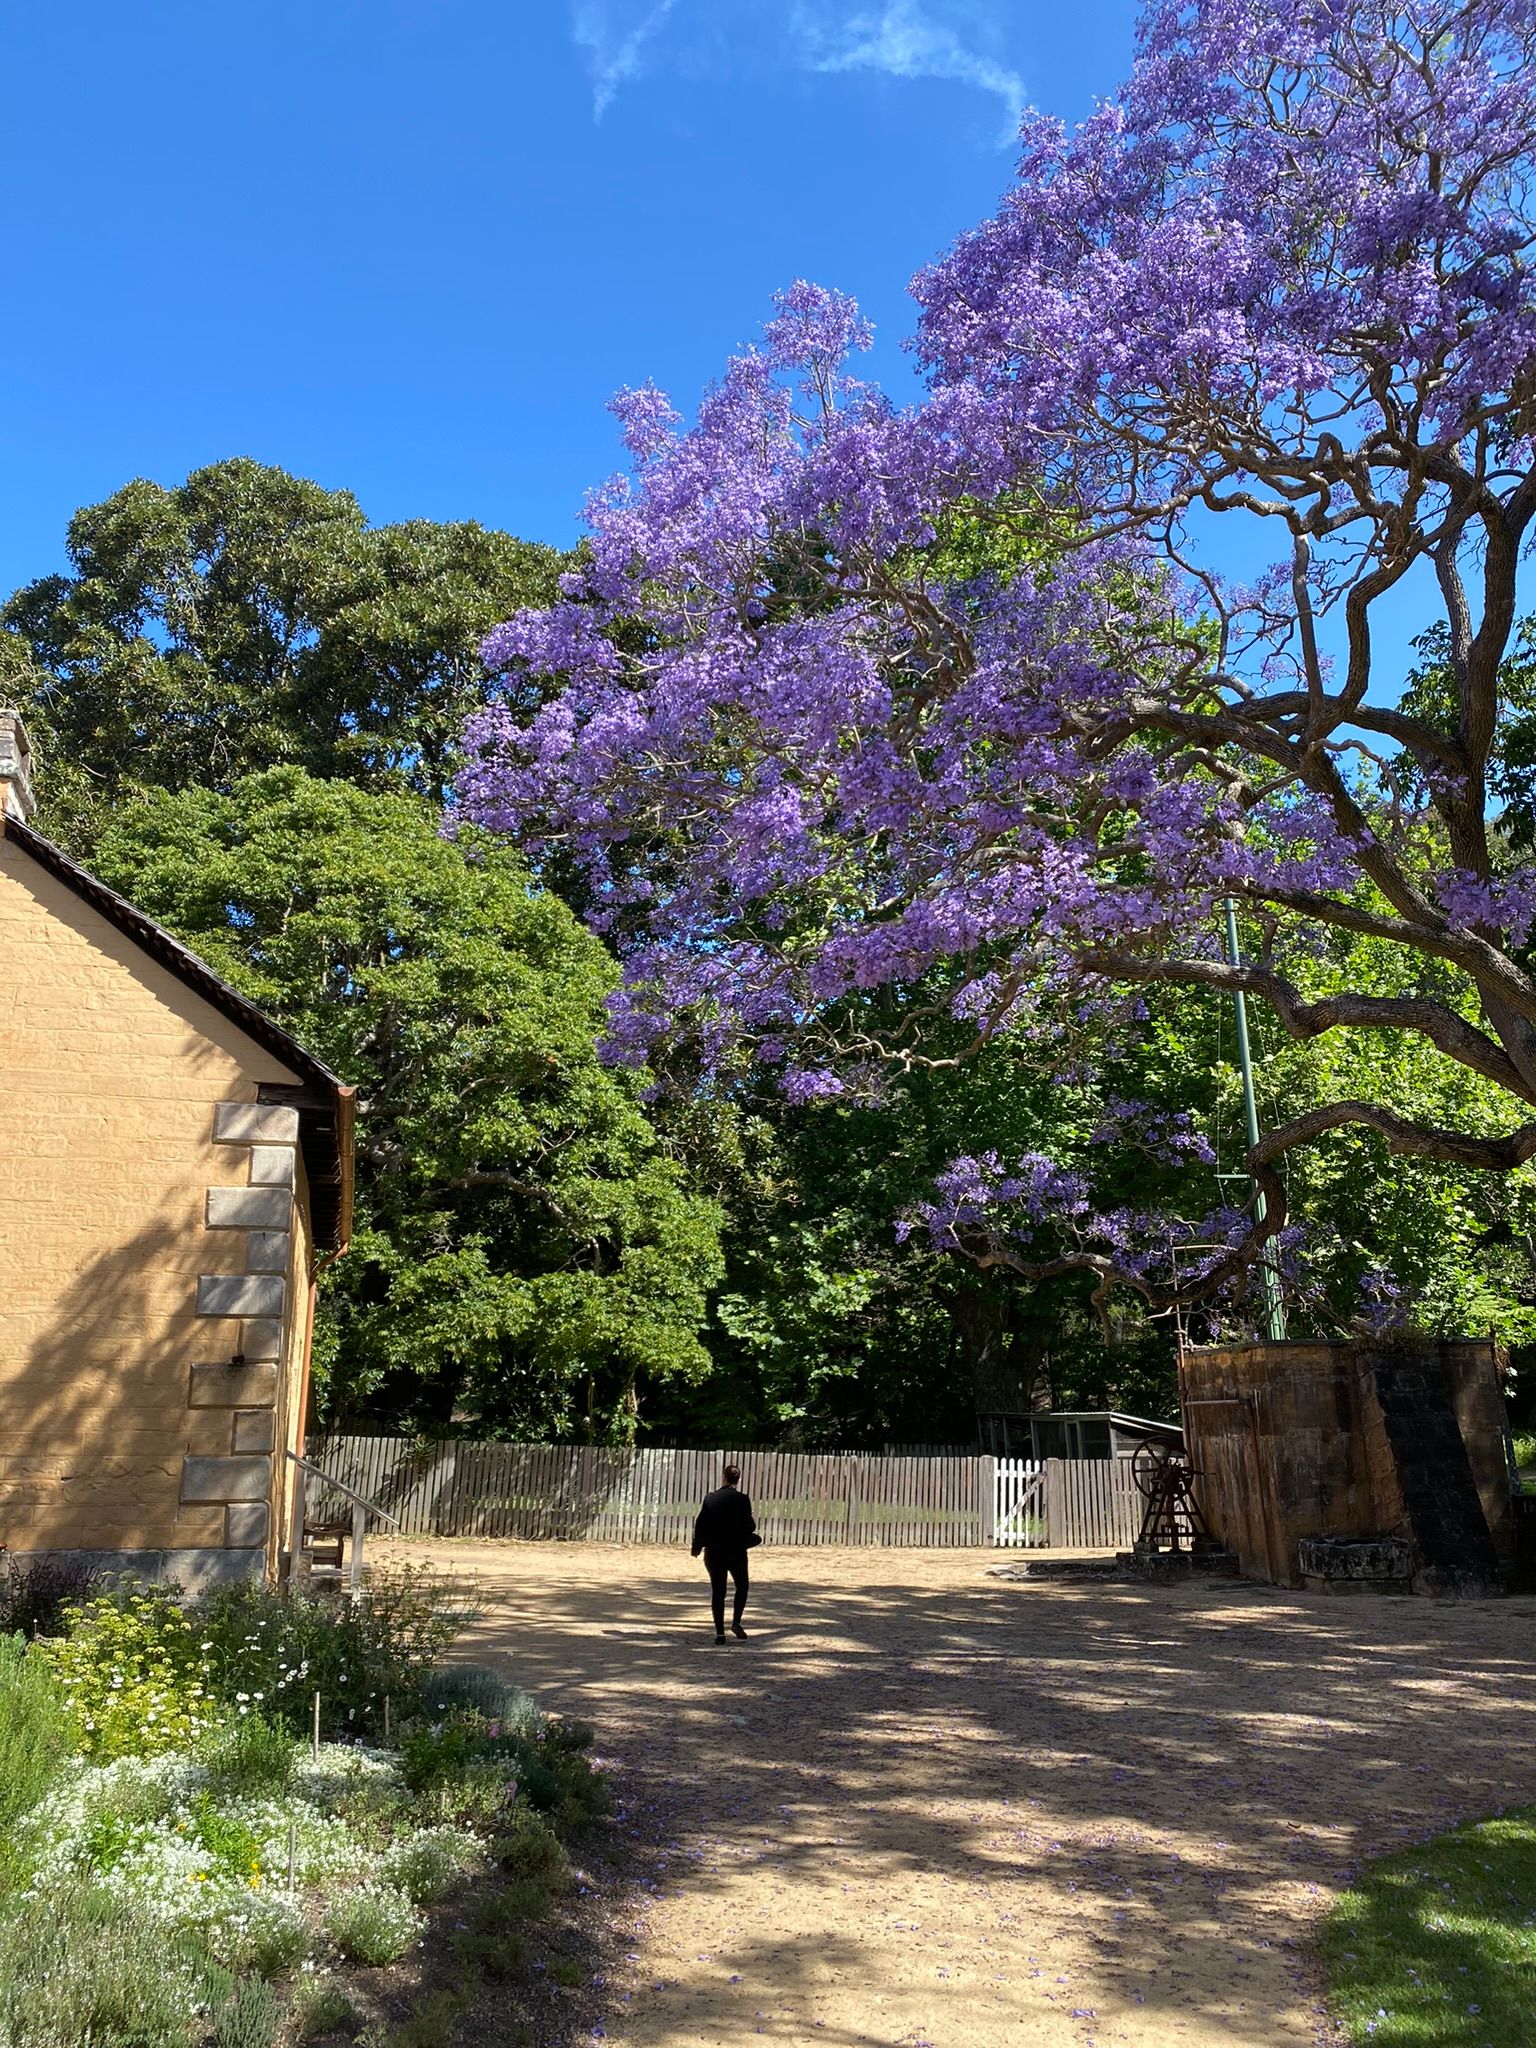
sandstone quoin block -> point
(271, 1166)
(261, 1340)
(214, 1479)
(240, 1294)
(268, 1251)
(234, 1386)
(256, 1431)
(249, 1208)
(246, 1525)
(255, 1123)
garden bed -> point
(225, 1819)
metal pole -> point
(1269, 1279)
(355, 1562)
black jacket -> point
(725, 1522)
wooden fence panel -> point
(573, 1491)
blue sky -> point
(411, 246)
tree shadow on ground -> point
(1166, 1784)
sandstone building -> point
(173, 1167)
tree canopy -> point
(528, 1258)
(247, 618)
(1281, 281)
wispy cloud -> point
(955, 40)
(614, 39)
(904, 41)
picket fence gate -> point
(649, 1495)
(1066, 1504)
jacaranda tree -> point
(865, 708)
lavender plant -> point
(854, 714)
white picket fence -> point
(575, 1493)
(1018, 1505)
(1065, 1504)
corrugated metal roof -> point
(1113, 1415)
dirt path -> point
(923, 1806)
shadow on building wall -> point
(94, 1415)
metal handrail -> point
(362, 1508)
(358, 1499)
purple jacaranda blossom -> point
(1167, 1135)
(848, 698)
(1384, 1305)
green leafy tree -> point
(829, 1331)
(249, 618)
(1453, 1243)
(528, 1257)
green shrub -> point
(143, 1673)
(107, 1840)
(76, 1970)
(249, 1757)
(558, 1779)
(320, 2007)
(1525, 1450)
(36, 1733)
(463, 1769)
(36, 1591)
(374, 1808)
(477, 1690)
(426, 1864)
(446, 1751)
(273, 1653)
(500, 1952)
(229, 1841)
(528, 1847)
(271, 1943)
(434, 2023)
(249, 2018)
(134, 1673)
(134, 1797)
(567, 1736)
(373, 1923)
(467, 1769)
(508, 1910)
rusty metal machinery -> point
(1171, 1523)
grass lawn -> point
(1435, 1947)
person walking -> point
(725, 1532)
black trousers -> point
(721, 1565)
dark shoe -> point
(737, 1630)
(721, 1637)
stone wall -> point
(147, 1240)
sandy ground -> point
(924, 1806)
